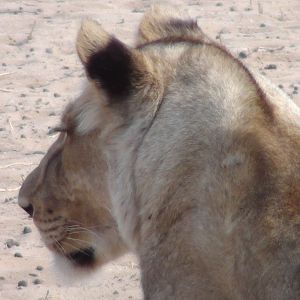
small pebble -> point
(18, 254)
(49, 50)
(262, 25)
(219, 4)
(23, 95)
(56, 95)
(39, 268)
(138, 10)
(26, 230)
(6, 200)
(242, 55)
(37, 281)
(2, 278)
(38, 152)
(280, 86)
(115, 292)
(33, 274)
(52, 113)
(45, 90)
(22, 283)
(232, 8)
(10, 243)
(271, 67)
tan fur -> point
(156, 25)
(70, 200)
(91, 37)
(201, 165)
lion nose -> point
(28, 207)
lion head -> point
(66, 196)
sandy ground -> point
(40, 73)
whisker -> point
(60, 247)
(82, 230)
(76, 248)
(76, 227)
(89, 227)
(78, 240)
(63, 250)
(76, 222)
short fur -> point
(203, 166)
(59, 189)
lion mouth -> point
(84, 257)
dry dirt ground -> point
(40, 73)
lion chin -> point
(85, 258)
(68, 272)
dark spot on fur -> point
(49, 211)
(51, 229)
(84, 257)
(112, 67)
(184, 24)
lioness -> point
(195, 159)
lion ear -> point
(110, 63)
(166, 21)
(91, 37)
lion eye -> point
(57, 129)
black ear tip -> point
(112, 67)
